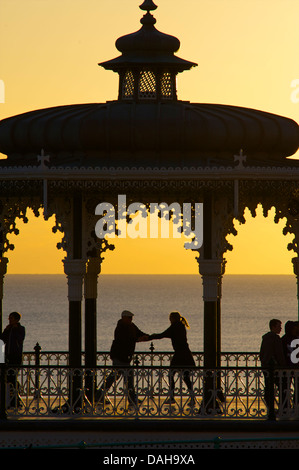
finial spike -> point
(148, 5)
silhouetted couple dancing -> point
(127, 334)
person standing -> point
(126, 335)
(291, 334)
(13, 337)
(182, 357)
(271, 354)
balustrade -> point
(41, 387)
(235, 393)
(144, 358)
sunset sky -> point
(247, 53)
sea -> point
(248, 303)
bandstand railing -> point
(45, 386)
(145, 358)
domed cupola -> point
(147, 67)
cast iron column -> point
(3, 270)
(295, 262)
(212, 271)
(90, 291)
(75, 268)
(210, 299)
(222, 269)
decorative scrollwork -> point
(12, 209)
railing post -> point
(3, 391)
(151, 381)
(37, 350)
(271, 391)
(152, 348)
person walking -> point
(126, 335)
(182, 357)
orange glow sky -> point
(247, 55)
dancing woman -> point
(182, 355)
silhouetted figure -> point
(291, 333)
(271, 354)
(126, 335)
(182, 355)
(290, 329)
(13, 336)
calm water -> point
(248, 303)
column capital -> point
(295, 262)
(74, 266)
(93, 266)
(211, 271)
(75, 270)
(3, 265)
(3, 271)
(212, 267)
(93, 269)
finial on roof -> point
(148, 19)
(148, 5)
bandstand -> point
(149, 146)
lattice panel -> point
(128, 86)
(166, 86)
(147, 85)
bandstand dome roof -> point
(147, 125)
(168, 133)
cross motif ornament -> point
(42, 158)
(240, 158)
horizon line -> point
(152, 274)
